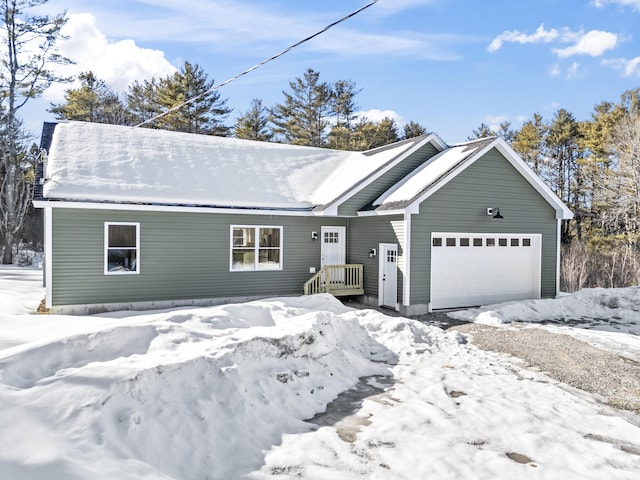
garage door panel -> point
(470, 269)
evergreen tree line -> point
(312, 113)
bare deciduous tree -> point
(29, 52)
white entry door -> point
(333, 249)
(388, 275)
(470, 269)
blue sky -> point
(447, 64)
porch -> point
(338, 280)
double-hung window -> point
(121, 248)
(256, 248)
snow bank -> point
(618, 304)
(216, 386)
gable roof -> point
(91, 162)
(427, 179)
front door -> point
(333, 249)
(388, 279)
(333, 252)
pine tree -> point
(343, 103)
(254, 123)
(567, 175)
(370, 135)
(93, 101)
(142, 103)
(204, 112)
(412, 130)
(528, 142)
(483, 131)
(303, 117)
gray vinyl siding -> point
(181, 256)
(461, 207)
(376, 188)
(367, 233)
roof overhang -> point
(562, 212)
(331, 209)
(51, 203)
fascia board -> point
(376, 213)
(168, 208)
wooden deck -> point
(338, 280)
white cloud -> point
(540, 36)
(118, 63)
(376, 115)
(573, 71)
(494, 121)
(635, 4)
(629, 68)
(256, 29)
(593, 43)
(632, 67)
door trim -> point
(382, 262)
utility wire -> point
(258, 65)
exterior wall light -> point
(494, 212)
(314, 235)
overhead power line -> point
(256, 66)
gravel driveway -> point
(615, 379)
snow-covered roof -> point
(430, 172)
(444, 166)
(108, 163)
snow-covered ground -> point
(223, 393)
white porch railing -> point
(338, 280)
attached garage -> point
(471, 269)
(479, 228)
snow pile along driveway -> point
(223, 393)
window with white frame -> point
(256, 248)
(121, 251)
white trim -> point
(379, 213)
(332, 208)
(514, 159)
(170, 208)
(406, 292)
(48, 256)
(256, 249)
(558, 251)
(106, 249)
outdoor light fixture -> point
(314, 235)
(494, 212)
(372, 253)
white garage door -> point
(470, 269)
